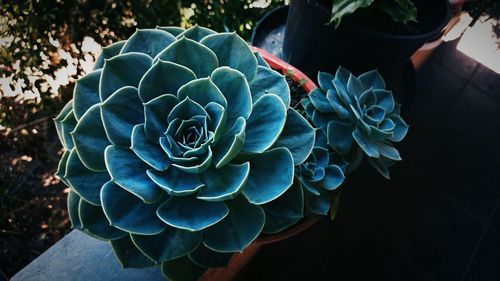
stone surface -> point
(80, 257)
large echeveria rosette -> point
(358, 116)
(180, 149)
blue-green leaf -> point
(170, 244)
(86, 183)
(174, 30)
(354, 87)
(387, 150)
(372, 79)
(175, 181)
(73, 202)
(260, 60)
(271, 174)
(333, 178)
(196, 33)
(298, 136)
(264, 124)
(120, 113)
(86, 93)
(325, 81)
(129, 172)
(95, 222)
(199, 166)
(320, 102)
(230, 144)
(232, 51)
(128, 255)
(236, 90)
(224, 183)
(205, 257)
(68, 124)
(400, 130)
(191, 54)
(315, 204)
(191, 214)
(218, 116)
(127, 212)
(365, 143)
(148, 41)
(155, 110)
(236, 231)
(269, 81)
(185, 110)
(285, 211)
(148, 151)
(181, 269)
(381, 165)
(163, 77)
(57, 121)
(339, 135)
(336, 104)
(123, 70)
(108, 52)
(202, 91)
(90, 139)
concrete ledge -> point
(80, 257)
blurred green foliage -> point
(40, 38)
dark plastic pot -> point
(311, 44)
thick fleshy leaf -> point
(175, 181)
(57, 121)
(90, 139)
(61, 167)
(318, 205)
(68, 124)
(381, 165)
(260, 60)
(339, 136)
(271, 174)
(333, 178)
(108, 52)
(400, 130)
(354, 87)
(236, 90)
(224, 183)
(202, 91)
(120, 113)
(205, 257)
(181, 269)
(387, 150)
(265, 124)
(196, 33)
(191, 54)
(375, 114)
(342, 92)
(155, 110)
(198, 167)
(336, 104)
(320, 102)
(321, 156)
(86, 93)
(232, 51)
(218, 115)
(297, 135)
(129, 172)
(163, 77)
(365, 143)
(73, 202)
(385, 99)
(240, 228)
(185, 110)
(128, 255)
(308, 107)
(95, 222)
(269, 81)
(285, 211)
(372, 79)
(321, 120)
(191, 214)
(85, 182)
(148, 41)
(170, 244)
(148, 151)
(325, 80)
(174, 30)
(230, 144)
(129, 213)
(123, 70)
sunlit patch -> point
(482, 43)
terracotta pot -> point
(239, 260)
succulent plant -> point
(180, 148)
(357, 112)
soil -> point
(33, 212)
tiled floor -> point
(439, 216)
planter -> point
(311, 44)
(239, 260)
